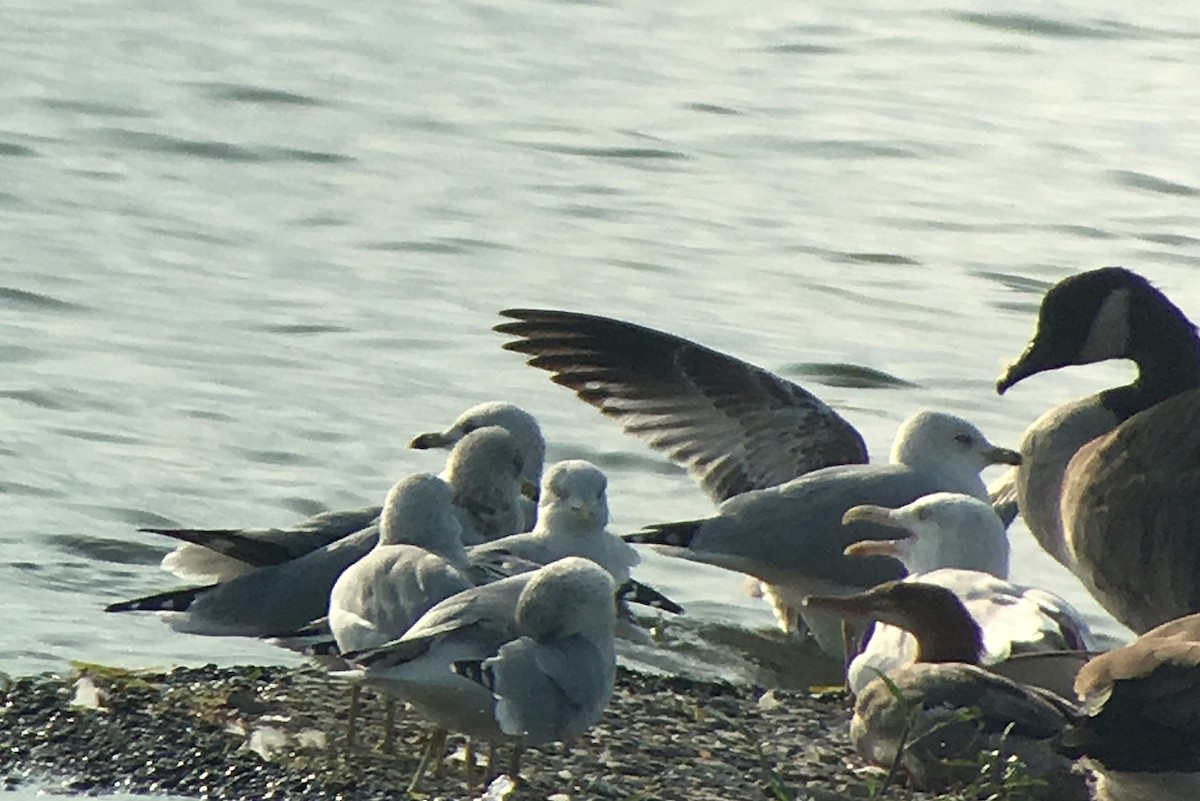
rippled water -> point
(248, 249)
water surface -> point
(250, 249)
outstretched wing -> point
(736, 427)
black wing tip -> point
(475, 671)
(679, 535)
(170, 601)
(635, 592)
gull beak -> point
(890, 547)
(870, 513)
(530, 489)
(424, 442)
(996, 455)
(882, 516)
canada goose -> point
(960, 709)
(214, 555)
(1131, 514)
(1107, 482)
(1110, 313)
(957, 542)
(1140, 731)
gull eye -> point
(924, 513)
(964, 439)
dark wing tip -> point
(636, 592)
(679, 535)
(170, 601)
(474, 670)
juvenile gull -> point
(938, 713)
(528, 658)
(214, 555)
(735, 426)
(1095, 491)
(792, 539)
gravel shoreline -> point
(275, 732)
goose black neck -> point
(1166, 348)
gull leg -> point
(439, 759)
(491, 761)
(388, 745)
(352, 717)
(436, 744)
(469, 762)
(514, 762)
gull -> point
(935, 715)
(571, 521)
(484, 472)
(957, 542)
(528, 659)
(1106, 484)
(516, 421)
(418, 560)
(792, 539)
(215, 555)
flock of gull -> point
(490, 598)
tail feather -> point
(635, 592)
(678, 534)
(170, 601)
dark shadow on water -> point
(93, 108)
(122, 552)
(1150, 183)
(258, 95)
(23, 298)
(215, 150)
